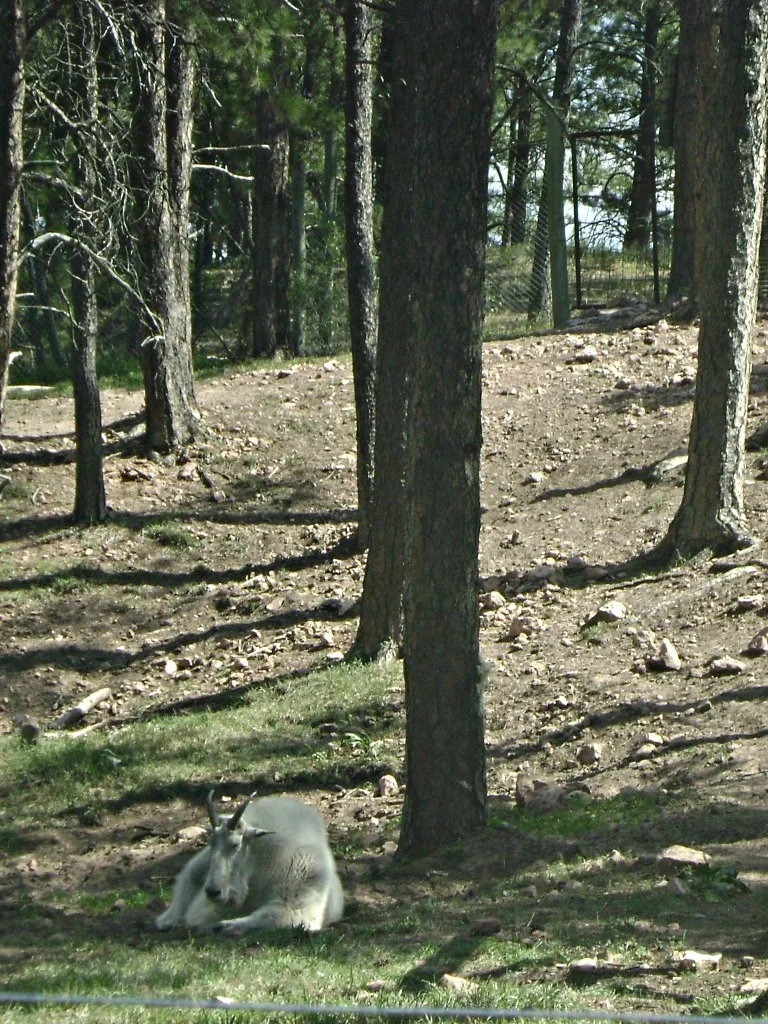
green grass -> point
(170, 535)
(405, 929)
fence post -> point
(558, 256)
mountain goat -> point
(269, 861)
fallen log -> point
(81, 709)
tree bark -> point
(513, 232)
(328, 210)
(361, 256)
(546, 231)
(711, 515)
(380, 628)
(270, 169)
(686, 132)
(446, 55)
(171, 409)
(90, 498)
(642, 194)
(12, 86)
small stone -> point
(726, 667)
(240, 662)
(170, 668)
(749, 961)
(654, 738)
(522, 625)
(192, 833)
(617, 859)
(664, 659)
(586, 965)
(677, 887)
(589, 754)
(693, 961)
(588, 354)
(456, 983)
(749, 603)
(675, 857)
(534, 478)
(643, 752)
(387, 786)
(493, 601)
(375, 986)
(759, 643)
(218, 496)
(530, 891)
(538, 795)
(335, 657)
(613, 611)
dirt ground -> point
(573, 423)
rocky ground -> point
(228, 565)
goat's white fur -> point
(274, 867)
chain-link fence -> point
(617, 211)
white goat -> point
(269, 861)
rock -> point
(486, 926)
(610, 612)
(590, 753)
(699, 962)
(654, 738)
(335, 657)
(456, 983)
(539, 796)
(190, 834)
(170, 668)
(664, 659)
(677, 887)
(387, 786)
(534, 478)
(726, 667)
(643, 752)
(375, 986)
(759, 643)
(586, 965)
(749, 603)
(617, 860)
(529, 890)
(522, 625)
(588, 354)
(644, 639)
(493, 601)
(675, 857)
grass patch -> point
(170, 535)
(91, 935)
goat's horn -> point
(212, 812)
(234, 821)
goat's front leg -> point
(272, 915)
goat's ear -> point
(250, 832)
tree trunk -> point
(447, 64)
(517, 169)
(12, 34)
(269, 164)
(171, 410)
(328, 208)
(548, 232)
(707, 51)
(762, 277)
(298, 178)
(685, 136)
(642, 194)
(43, 323)
(711, 515)
(361, 256)
(90, 499)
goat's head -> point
(226, 839)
